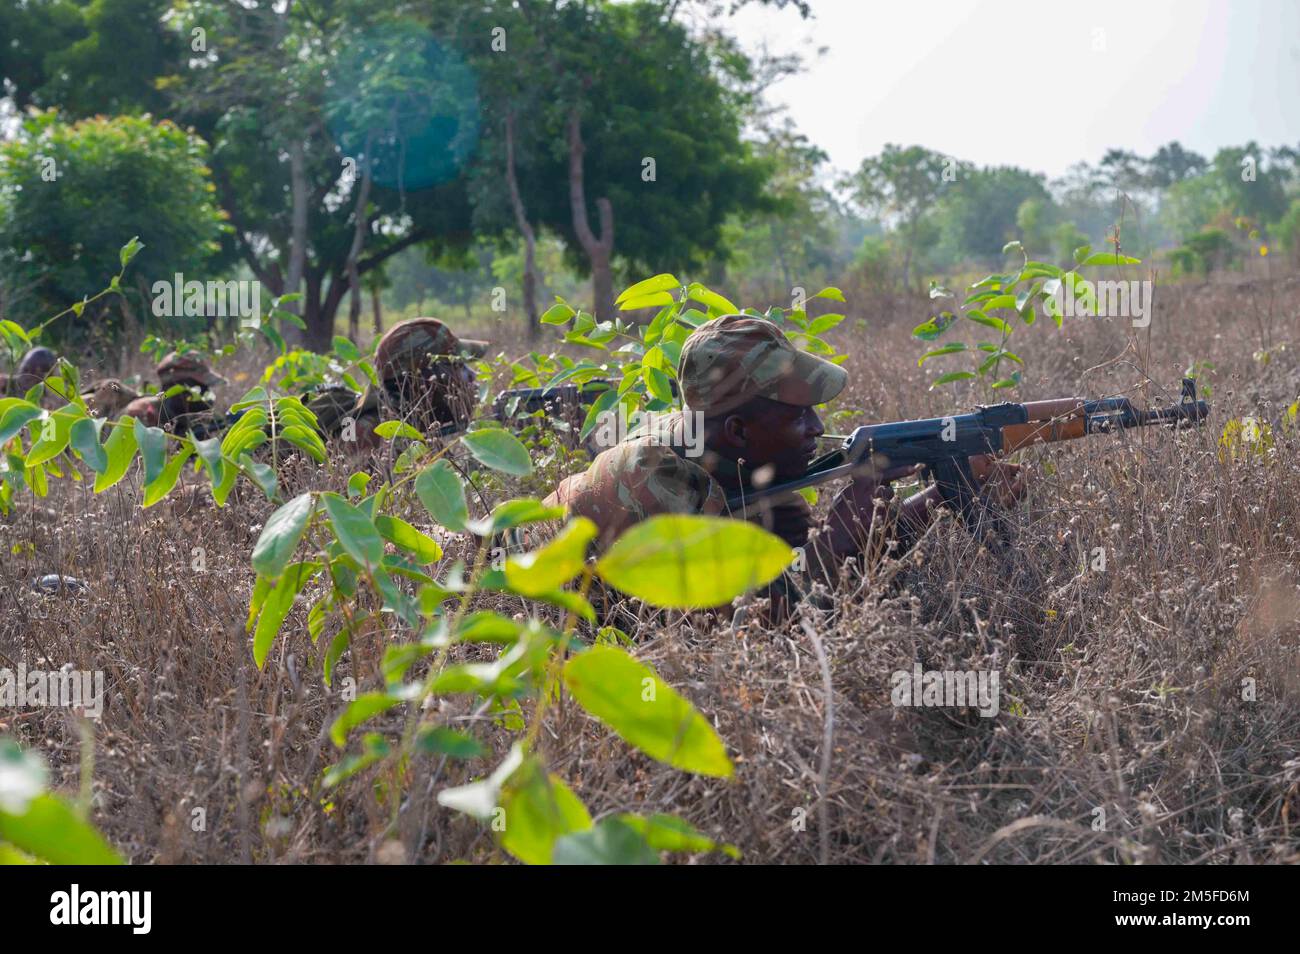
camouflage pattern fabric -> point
(187, 368)
(639, 478)
(408, 347)
(179, 412)
(425, 379)
(108, 398)
(331, 403)
(729, 360)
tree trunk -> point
(358, 242)
(526, 229)
(299, 188)
(377, 310)
(319, 335)
(599, 250)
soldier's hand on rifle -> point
(873, 485)
(1005, 481)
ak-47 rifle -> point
(515, 402)
(944, 445)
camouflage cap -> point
(38, 361)
(406, 347)
(177, 368)
(731, 359)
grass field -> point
(1127, 733)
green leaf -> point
(48, 448)
(938, 352)
(274, 337)
(989, 321)
(554, 564)
(557, 314)
(497, 448)
(933, 328)
(84, 437)
(654, 300)
(52, 831)
(824, 324)
(402, 534)
(374, 749)
(1000, 300)
(598, 407)
(389, 429)
(167, 478)
(644, 711)
(1038, 270)
(357, 484)
(539, 809)
(209, 452)
(1010, 382)
(513, 513)
(656, 383)
(715, 303)
(440, 490)
(276, 606)
(1082, 252)
(1109, 258)
(949, 378)
(612, 842)
(355, 531)
(279, 538)
(693, 562)
(834, 294)
(15, 418)
(153, 450)
(120, 448)
(439, 740)
(345, 349)
(130, 250)
(365, 707)
(670, 833)
(659, 283)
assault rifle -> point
(944, 445)
(516, 402)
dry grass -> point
(1126, 684)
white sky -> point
(1018, 82)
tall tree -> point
(902, 185)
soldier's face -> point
(783, 436)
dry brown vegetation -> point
(1125, 685)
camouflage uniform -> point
(181, 411)
(331, 403)
(108, 398)
(425, 381)
(725, 363)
